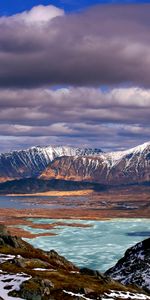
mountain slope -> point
(124, 167)
(75, 164)
(31, 162)
(134, 267)
(30, 273)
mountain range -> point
(82, 165)
(32, 162)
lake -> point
(49, 202)
(98, 246)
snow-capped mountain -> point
(31, 162)
(76, 164)
(123, 167)
(134, 267)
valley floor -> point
(133, 202)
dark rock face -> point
(134, 267)
(7, 239)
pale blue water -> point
(97, 247)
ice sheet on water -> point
(97, 247)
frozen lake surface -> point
(98, 246)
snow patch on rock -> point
(11, 282)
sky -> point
(74, 73)
(10, 7)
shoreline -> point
(15, 218)
(54, 193)
(73, 205)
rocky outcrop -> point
(134, 267)
(33, 274)
(6, 240)
(31, 257)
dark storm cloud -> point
(104, 45)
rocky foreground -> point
(134, 267)
(34, 274)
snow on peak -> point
(31, 162)
(140, 148)
(112, 158)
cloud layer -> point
(105, 46)
(119, 116)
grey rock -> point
(134, 267)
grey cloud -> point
(80, 116)
(46, 107)
(104, 45)
(108, 138)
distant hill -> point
(35, 185)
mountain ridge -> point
(78, 164)
(31, 162)
(112, 168)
